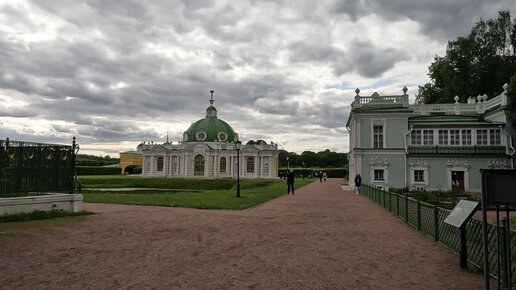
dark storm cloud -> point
(444, 19)
(327, 115)
(17, 113)
(274, 106)
(371, 61)
(302, 51)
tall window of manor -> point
(223, 165)
(199, 165)
(443, 137)
(428, 137)
(482, 137)
(379, 175)
(466, 137)
(494, 137)
(159, 164)
(266, 165)
(250, 164)
(378, 136)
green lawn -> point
(253, 192)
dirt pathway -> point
(320, 238)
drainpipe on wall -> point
(510, 147)
(349, 151)
(406, 152)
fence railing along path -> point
(429, 220)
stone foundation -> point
(28, 204)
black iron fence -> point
(429, 219)
(31, 168)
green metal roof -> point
(449, 121)
(211, 128)
(382, 107)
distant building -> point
(128, 158)
(208, 150)
(428, 146)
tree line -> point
(91, 160)
(307, 159)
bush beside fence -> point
(97, 170)
(429, 219)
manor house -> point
(428, 146)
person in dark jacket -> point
(358, 183)
(290, 181)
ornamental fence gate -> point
(28, 168)
(429, 219)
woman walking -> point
(358, 183)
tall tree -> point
(511, 98)
(477, 64)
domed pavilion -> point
(208, 150)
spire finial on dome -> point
(212, 100)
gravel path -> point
(319, 238)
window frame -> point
(378, 142)
(443, 136)
(222, 165)
(419, 175)
(250, 163)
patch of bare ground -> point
(319, 238)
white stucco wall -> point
(27, 204)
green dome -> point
(210, 129)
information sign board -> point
(499, 186)
(461, 213)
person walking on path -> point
(324, 176)
(290, 181)
(320, 176)
(358, 183)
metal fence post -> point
(390, 197)
(398, 204)
(406, 208)
(436, 223)
(418, 214)
(503, 253)
(383, 198)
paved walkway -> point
(320, 238)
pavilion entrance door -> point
(457, 178)
(199, 165)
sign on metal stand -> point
(458, 218)
(498, 188)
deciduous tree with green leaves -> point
(477, 64)
(511, 100)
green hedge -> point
(97, 170)
(133, 169)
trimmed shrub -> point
(97, 170)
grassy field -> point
(253, 192)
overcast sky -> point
(115, 73)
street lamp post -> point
(303, 170)
(287, 165)
(238, 145)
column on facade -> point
(165, 165)
(256, 165)
(152, 171)
(242, 172)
